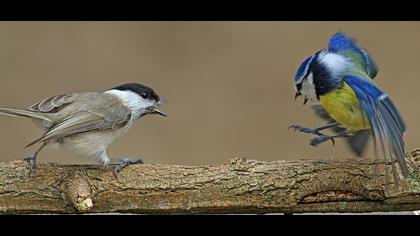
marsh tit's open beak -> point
(153, 110)
(162, 101)
(156, 111)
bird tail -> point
(16, 112)
(358, 141)
(391, 128)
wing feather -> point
(347, 47)
(52, 104)
(86, 120)
(387, 123)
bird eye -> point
(144, 95)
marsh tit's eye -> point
(144, 95)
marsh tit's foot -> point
(124, 162)
(32, 162)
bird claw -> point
(32, 163)
(320, 139)
(124, 162)
(305, 130)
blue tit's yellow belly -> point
(342, 105)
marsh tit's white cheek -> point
(145, 103)
(133, 101)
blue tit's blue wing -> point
(347, 47)
(386, 121)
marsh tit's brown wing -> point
(41, 110)
(111, 116)
(57, 108)
(52, 104)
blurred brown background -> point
(229, 84)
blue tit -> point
(340, 78)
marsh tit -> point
(86, 123)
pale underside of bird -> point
(86, 123)
(340, 79)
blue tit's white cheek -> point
(308, 87)
(133, 101)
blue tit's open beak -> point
(298, 94)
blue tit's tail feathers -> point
(392, 110)
(394, 130)
(357, 142)
(387, 123)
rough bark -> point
(238, 186)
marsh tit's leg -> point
(32, 158)
(314, 130)
(124, 162)
(322, 138)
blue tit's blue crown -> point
(303, 68)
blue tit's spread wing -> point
(345, 46)
(87, 120)
(386, 121)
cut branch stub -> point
(79, 193)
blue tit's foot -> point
(306, 130)
(320, 139)
(124, 162)
(32, 162)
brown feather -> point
(84, 121)
(52, 104)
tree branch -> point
(238, 186)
